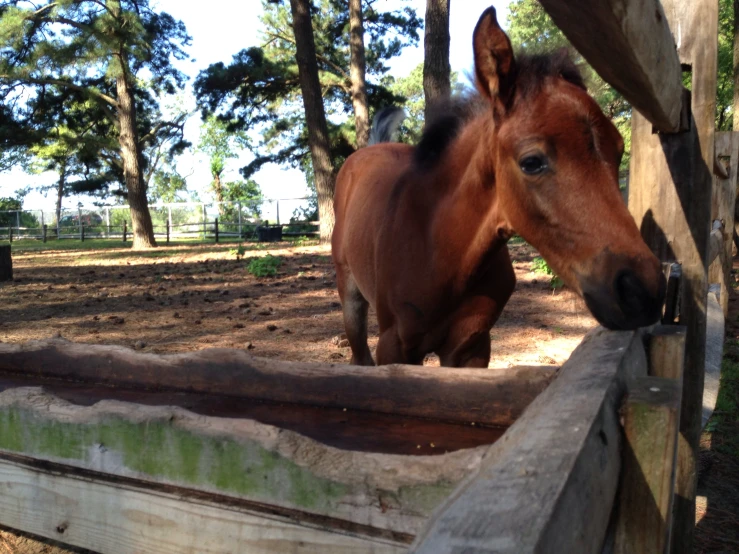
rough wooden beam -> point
(722, 209)
(715, 242)
(670, 198)
(128, 517)
(715, 335)
(651, 419)
(549, 483)
(493, 396)
(629, 44)
(667, 351)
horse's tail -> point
(385, 125)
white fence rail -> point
(175, 220)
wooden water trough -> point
(217, 451)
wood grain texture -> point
(121, 518)
(549, 483)
(715, 335)
(670, 197)
(667, 351)
(722, 209)
(629, 44)
(493, 397)
(651, 420)
(239, 459)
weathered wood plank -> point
(493, 396)
(667, 351)
(549, 483)
(722, 209)
(715, 335)
(651, 419)
(119, 516)
(629, 44)
(670, 198)
(715, 245)
(237, 458)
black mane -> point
(450, 116)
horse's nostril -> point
(633, 297)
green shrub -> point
(265, 266)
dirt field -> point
(191, 297)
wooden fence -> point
(207, 230)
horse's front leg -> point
(467, 343)
(392, 350)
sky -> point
(217, 38)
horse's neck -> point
(467, 221)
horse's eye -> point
(533, 165)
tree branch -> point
(336, 68)
(59, 82)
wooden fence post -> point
(10, 234)
(82, 232)
(167, 231)
(216, 230)
(651, 420)
(724, 199)
(45, 231)
(6, 263)
(670, 198)
(125, 229)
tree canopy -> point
(259, 90)
(116, 53)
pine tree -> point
(101, 49)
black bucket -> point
(269, 233)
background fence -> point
(177, 220)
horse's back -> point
(363, 189)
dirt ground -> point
(192, 297)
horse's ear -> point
(494, 63)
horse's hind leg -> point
(355, 307)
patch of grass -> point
(540, 265)
(304, 241)
(726, 413)
(265, 266)
(30, 245)
(516, 239)
(238, 252)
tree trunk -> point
(436, 68)
(736, 107)
(143, 229)
(357, 73)
(60, 197)
(218, 189)
(315, 116)
(736, 65)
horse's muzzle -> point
(627, 302)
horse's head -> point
(556, 158)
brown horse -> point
(421, 231)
